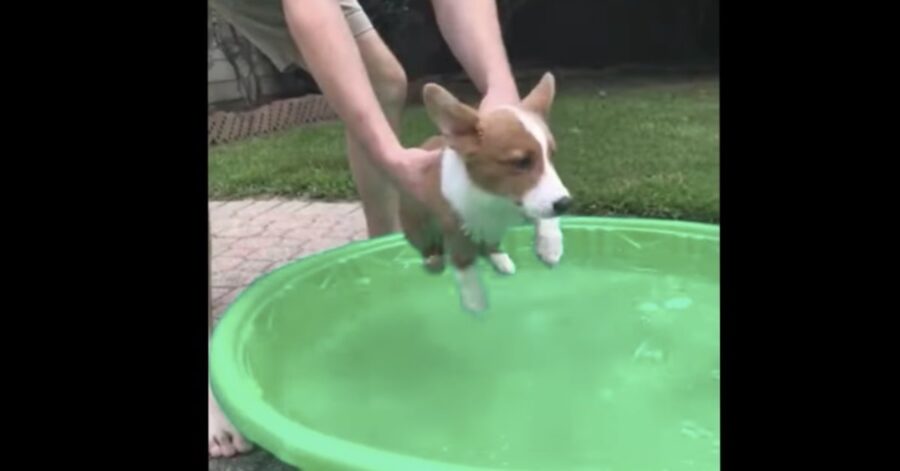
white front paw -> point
(471, 292)
(549, 241)
(550, 249)
(503, 263)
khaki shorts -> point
(262, 22)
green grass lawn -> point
(649, 150)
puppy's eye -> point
(523, 163)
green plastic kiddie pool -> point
(357, 359)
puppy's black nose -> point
(561, 205)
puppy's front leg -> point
(548, 240)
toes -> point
(241, 445)
(225, 445)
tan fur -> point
(504, 142)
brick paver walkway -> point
(253, 237)
(250, 238)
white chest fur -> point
(485, 217)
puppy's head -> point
(507, 152)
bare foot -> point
(224, 440)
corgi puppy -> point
(495, 171)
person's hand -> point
(497, 97)
(407, 170)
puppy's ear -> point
(540, 100)
(452, 117)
